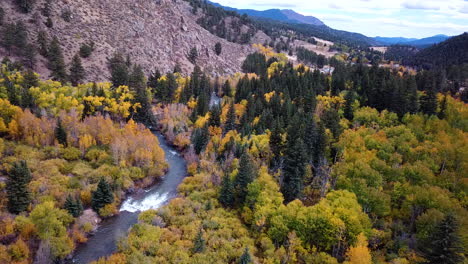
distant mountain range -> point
(284, 15)
(420, 43)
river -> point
(103, 242)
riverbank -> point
(105, 239)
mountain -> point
(155, 34)
(284, 15)
(453, 51)
(396, 40)
(420, 43)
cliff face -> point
(155, 33)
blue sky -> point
(387, 18)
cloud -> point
(420, 5)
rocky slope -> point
(155, 33)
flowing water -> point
(103, 242)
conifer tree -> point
(17, 190)
(43, 42)
(193, 55)
(56, 61)
(198, 243)
(444, 245)
(227, 89)
(2, 15)
(138, 84)
(245, 258)
(443, 108)
(102, 196)
(74, 207)
(77, 72)
(320, 144)
(60, 133)
(348, 107)
(276, 144)
(215, 116)
(231, 119)
(119, 70)
(218, 48)
(294, 170)
(226, 197)
(25, 5)
(30, 80)
(200, 138)
(245, 176)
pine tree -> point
(102, 196)
(56, 61)
(200, 138)
(320, 144)
(138, 84)
(60, 133)
(226, 197)
(231, 119)
(245, 176)
(72, 206)
(429, 100)
(77, 72)
(245, 258)
(25, 5)
(227, 89)
(331, 120)
(198, 243)
(218, 48)
(30, 80)
(215, 116)
(2, 15)
(43, 42)
(444, 245)
(17, 190)
(310, 137)
(119, 70)
(294, 170)
(193, 55)
(348, 107)
(276, 145)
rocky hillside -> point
(155, 33)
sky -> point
(386, 18)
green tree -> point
(25, 5)
(231, 119)
(74, 207)
(49, 22)
(56, 61)
(245, 176)
(137, 83)
(119, 70)
(218, 48)
(198, 243)
(17, 190)
(227, 91)
(215, 116)
(226, 197)
(294, 170)
(245, 258)
(193, 55)
(200, 138)
(86, 49)
(102, 196)
(77, 72)
(348, 107)
(43, 43)
(444, 245)
(2, 15)
(60, 133)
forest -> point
(365, 165)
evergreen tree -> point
(226, 197)
(56, 61)
(444, 244)
(245, 176)
(276, 145)
(2, 15)
(74, 207)
(320, 146)
(102, 196)
(119, 70)
(331, 120)
(138, 84)
(215, 116)
(200, 138)
(199, 243)
(227, 89)
(177, 68)
(245, 258)
(43, 43)
(294, 170)
(429, 100)
(25, 5)
(17, 190)
(77, 72)
(153, 80)
(49, 23)
(348, 107)
(193, 55)
(310, 137)
(60, 133)
(218, 48)
(231, 119)
(30, 80)
(412, 95)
